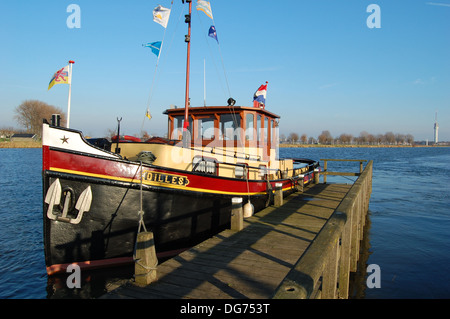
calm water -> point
(408, 234)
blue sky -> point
(327, 70)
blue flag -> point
(212, 33)
(154, 46)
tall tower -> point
(436, 129)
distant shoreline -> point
(282, 145)
(36, 144)
(31, 144)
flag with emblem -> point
(60, 77)
(213, 33)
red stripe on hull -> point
(114, 169)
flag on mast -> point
(61, 76)
(147, 113)
(64, 76)
(205, 6)
(161, 15)
(154, 46)
(213, 33)
(259, 98)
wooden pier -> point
(305, 248)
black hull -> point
(177, 218)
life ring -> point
(126, 138)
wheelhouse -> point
(225, 127)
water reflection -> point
(94, 283)
(358, 286)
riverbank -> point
(354, 146)
(38, 144)
(18, 144)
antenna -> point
(186, 102)
(436, 129)
(204, 83)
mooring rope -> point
(141, 211)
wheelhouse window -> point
(266, 128)
(177, 128)
(258, 125)
(229, 127)
(275, 132)
(205, 128)
(249, 127)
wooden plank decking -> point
(250, 263)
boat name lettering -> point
(151, 176)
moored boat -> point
(99, 194)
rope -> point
(154, 267)
(141, 224)
(246, 177)
(141, 212)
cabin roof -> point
(219, 109)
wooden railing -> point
(326, 172)
(324, 269)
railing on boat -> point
(310, 165)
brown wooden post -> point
(237, 214)
(344, 266)
(324, 172)
(316, 176)
(301, 183)
(278, 200)
(146, 260)
(329, 284)
(354, 250)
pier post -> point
(146, 260)
(300, 183)
(316, 176)
(278, 200)
(237, 214)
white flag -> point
(161, 15)
(205, 6)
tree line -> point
(30, 114)
(364, 138)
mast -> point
(70, 92)
(204, 83)
(186, 102)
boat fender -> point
(248, 210)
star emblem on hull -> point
(64, 140)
